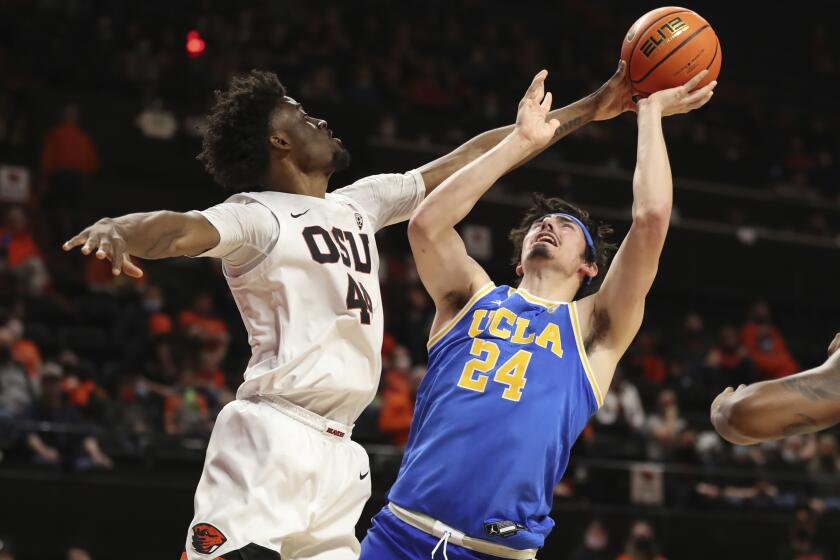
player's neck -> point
(549, 285)
(289, 179)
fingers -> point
(130, 268)
(104, 249)
(692, 83)
(117, 257)
(835, 344)
(546, 102)
(535, 90)
(75, 241)
(91, 244)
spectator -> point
(17, 389)
(68, 161)
(641, 544)
(186, 410)
(397, 407)
(201, 323)
(665, 427)
(766, 346)
(827, 457)
(730, 358)
(620, 422)
(647, 360)
(596, 541)
(20, 254)
(63, 446)
(24, 351)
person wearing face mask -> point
(596, 541)
(641, 544)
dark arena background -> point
(102, 106)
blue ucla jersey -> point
(507, 392)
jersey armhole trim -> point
(584, 359)
(256, 262)
(483, 291)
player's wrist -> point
(650, 106)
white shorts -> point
(282, 478)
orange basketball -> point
(666, 47)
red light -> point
(195, 44)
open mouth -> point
(546, 237)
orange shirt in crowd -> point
(768, 351)
(19, 247)
(68, 148)
(206, 324)
(26, 353)
(652, 367)
(397, 407)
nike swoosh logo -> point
(364, 476)
(299, 215)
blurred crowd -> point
(432, 79)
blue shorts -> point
(390, 538)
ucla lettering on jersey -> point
(506, 394)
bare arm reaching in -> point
(799, 404)
(148, 235)
(608, 101)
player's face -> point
(312, 144)
(554, 242)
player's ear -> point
(281, 141)
(520, 270)
(590, 270)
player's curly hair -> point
(600, 232)
(234, 150)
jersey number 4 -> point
(358, 298)
(511, 373)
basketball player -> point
(515, 373)
(798, 404)
(281, 475)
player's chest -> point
(332, 235)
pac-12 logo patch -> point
(359, 221)
(206, 539)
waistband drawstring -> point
(445, 540)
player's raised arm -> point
(148, 235)
(450, 275)
(608, 101)
(799, 404)
(617, 308)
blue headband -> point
(589, 243)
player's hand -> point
(615, 96)
(681, 99)
(722, 396)
(531, 122)
(835, 344)
(105, 240)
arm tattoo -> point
(817, 386)
(806, 425)
(567, 127)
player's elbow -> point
(652, 215)
(734, 420)
(422, 227)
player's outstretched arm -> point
(799, 404)
(608, 101)
(618, 306)
(148, 235)
(449, 274)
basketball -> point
(666, 47)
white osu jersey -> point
(312, 305)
